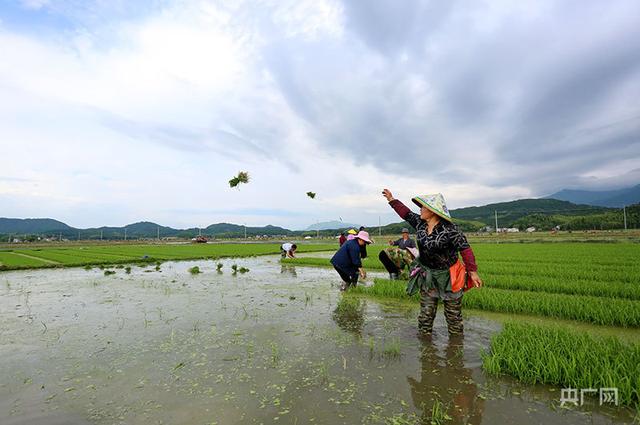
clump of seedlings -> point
(88, 267)
(235, 269)
(127, 270)
(391, 349)
(109, 272)
(219, 267)
(242, 177)
(195, 270)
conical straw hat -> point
(435, 202)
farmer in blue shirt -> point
(347, 260)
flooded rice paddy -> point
(278, 344)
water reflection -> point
(289, 270)
(349, 314)
(446, 385)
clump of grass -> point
(195, 270)
(109, 272)
(119, 266)
(234, 268)
(243, 270)
(219, 267)
(553, 355)
(127, 270)
(157, 267)
(88, 267)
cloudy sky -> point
(115, 111)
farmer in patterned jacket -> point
(439, 274)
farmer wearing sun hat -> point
(438, 272)
(347, 261)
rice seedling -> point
(127, 270)
(219, 267)
(234, 268)
(242, 177)
(392, 349)
(88, 267)
(439, 413)
(109, 272)
(243, 270)
(556, 356)
(194, 270)
(596, 310)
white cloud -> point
(118, 120)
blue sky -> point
(118, 111)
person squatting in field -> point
(437, 272)
(398, 255)
(288, 250)
(347, 260)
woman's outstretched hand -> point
(387, 194)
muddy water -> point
(276, 345)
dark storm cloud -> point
(550, 92)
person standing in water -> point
(440, 275)
(347, 261)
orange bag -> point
(459, 278)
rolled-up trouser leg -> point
(428, 308)
(453, 315)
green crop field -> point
(25, 258)
(593, 283)
(552, 355)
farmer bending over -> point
(398, 255)
(288, 250)
(347, 260)
(439, 274)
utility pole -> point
(245, 230)
(78, 234)
(496, 215)
(100, 234)
(60, 237)
(624, 213)
(158, 232)
(125, 233)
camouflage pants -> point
(452, 314)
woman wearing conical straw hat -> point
(438, 272)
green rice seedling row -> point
(552, 355)
(594, 310)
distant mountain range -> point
(603, 198)
(143, 229)
(521, 213)
(328, 225)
